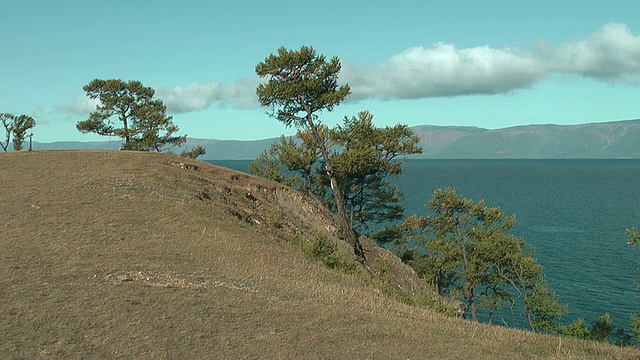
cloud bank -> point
(195, 97)
(444, 71)
(611, 55)
(82, 106)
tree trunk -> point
(346, 227)
(529, 319)
(472, 304)
(126, 131)
(469, 289)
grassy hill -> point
(139, 255)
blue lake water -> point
(573, 212)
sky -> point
(491, 64)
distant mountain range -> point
(620, 139)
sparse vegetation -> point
(328, 253)
(194, 153)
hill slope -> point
(140, 255)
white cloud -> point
(178, 99)
(611, 54)
(242, 93)
(444, 71)
(194, 97)
(81, 105)
(190, 98)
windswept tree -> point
(145, 124)
(16, 126)
(469, 254)
(299, 86)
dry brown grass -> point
(133, 255)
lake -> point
(573, 212)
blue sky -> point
(490, 64)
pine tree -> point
(299, 86)
(145, 124)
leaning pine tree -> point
(300, 85)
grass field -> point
(151, 256)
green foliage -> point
(21, 124)
(635, 327)
(633, 237)
(300, 158)
(288, 162)
(545, 306)
(299, 85)
(328, 253)
(268, 166)
(364, 158)
(152, 129)
(602, 329)
(194, 153)
(16, 126)
(577, 329)
(145, 124)
(368, 157)
(275, 221)
(299, 82)
(435, 260)
(466, 252)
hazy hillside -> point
(619, 139)
(117, 254)
(599, 140)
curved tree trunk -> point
(346, 227)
